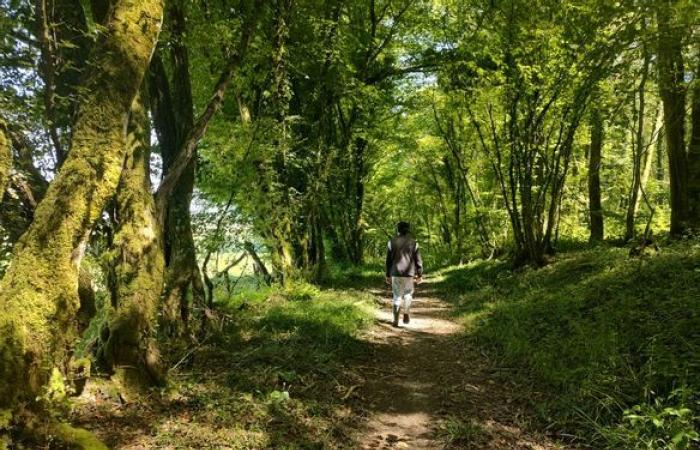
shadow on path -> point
(428, 388)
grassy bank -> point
(274, 377)
(611, 343)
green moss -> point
(77, 438)
(138, 266)
(39, 293)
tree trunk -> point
(183, 280)
(694, 154)
(129, 342)
(173, 118)
(637, 153)
(5, 159)
(595, 159)
(360, 167)
(178, 135)
(16, 216)
(652, 148)
(258, 263)
(672, 92)
(39, 293)
(182, 269)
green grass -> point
(462, 433)
(275, 376)
(347, 276)
(612, 342)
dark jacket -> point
(403, 257)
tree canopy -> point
(149, 148)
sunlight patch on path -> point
(421, 374)
(405, 402)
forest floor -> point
(427, 388)
(492, 359)
(330, 373)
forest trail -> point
(425, 375)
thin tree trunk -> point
(360, 148)
(594, 164)
(660, 171)
(650, 155)
(179, 133)
(129, 341)
(637, 152)
(259, 265)
(672, 92)
(5, 158)
(38, 295)
(694, 154)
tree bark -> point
(595, 159)
(172, 109)
(38, 295)
(357, 231)
(5, 159)
(694, 154)
(259, 264)
(179, 134)
(129, 341)
(637, 152)
(672, 92)
(17, 214)
(182, 280)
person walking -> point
(404, 265)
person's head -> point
(403, 228)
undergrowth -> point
(273, 377)
(612, 342)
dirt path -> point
(424, 380)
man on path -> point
(403, 264)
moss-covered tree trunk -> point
(16, 214)
(39, 293)
(129, 341)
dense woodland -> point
(159, 158)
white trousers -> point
(402, 288)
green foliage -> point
(467, 118)
(300, 317)
(273, 377)
(600, 333)
(666, 423)
(350, 276)
(460, 433)
(301, 291)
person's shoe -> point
(406, 318)
(396, 315)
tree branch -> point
(196, 133)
